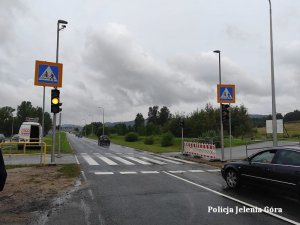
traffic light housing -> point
(55, 101)
(181, 123)
(225, 112)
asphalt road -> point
(129, 187)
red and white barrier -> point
(203, 150)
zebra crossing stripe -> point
(89, 159)
(153, 160)
(106, 160)
(123, 160)
(180, 160)
(138, 160)
(167, 160)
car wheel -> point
(232, 178)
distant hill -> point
(127, 123)
(256, 116)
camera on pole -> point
(55, 101)
(225, 112)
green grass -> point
(176, 147)
(155, 148)
(64, 145)
(70, 170)
(293, 130)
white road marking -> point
(149, 172)
(180, 160)
(123, 160)
(89, 160)
(76, 159)
(177, 171)
(91, 194)
(103, 173)
(106, 160)
(167, 160)
(196, 171)
(83, 176)
(214, 170)
(128, 172)
(138, 160)
(153, 160)
(234, 199)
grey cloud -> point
(203, 69)
(122, 67)
(234, 32)
(8, 13)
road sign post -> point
(48, 74)
(226, 94)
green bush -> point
(167, 140)
(131, 137)
(149, 140)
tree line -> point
(200, 123)
(11, 123)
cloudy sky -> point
(127, 55)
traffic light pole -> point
(54, 114)
(230, 132)
(221, 122)
(182, 146)
(43, 124)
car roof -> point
(293, 148)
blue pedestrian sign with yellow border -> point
(226, 93)
(48, 74)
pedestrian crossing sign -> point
(48, 74)
(226, 93)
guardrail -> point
(12, 148)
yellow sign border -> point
(36, 76)
(219, 94)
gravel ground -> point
(30, 192)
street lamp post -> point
(274, 120)
(85, 126)
(102, 119)
(221, 122)
(92, 118)
(59, 22)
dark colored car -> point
(103, 140)
(277, 168)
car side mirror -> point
(248, 160)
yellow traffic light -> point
(55, 101)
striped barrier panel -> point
(207, 151)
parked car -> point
(2, 138)
(276, 168)
(15, 138)
(103, 140)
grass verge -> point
(70, 170)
